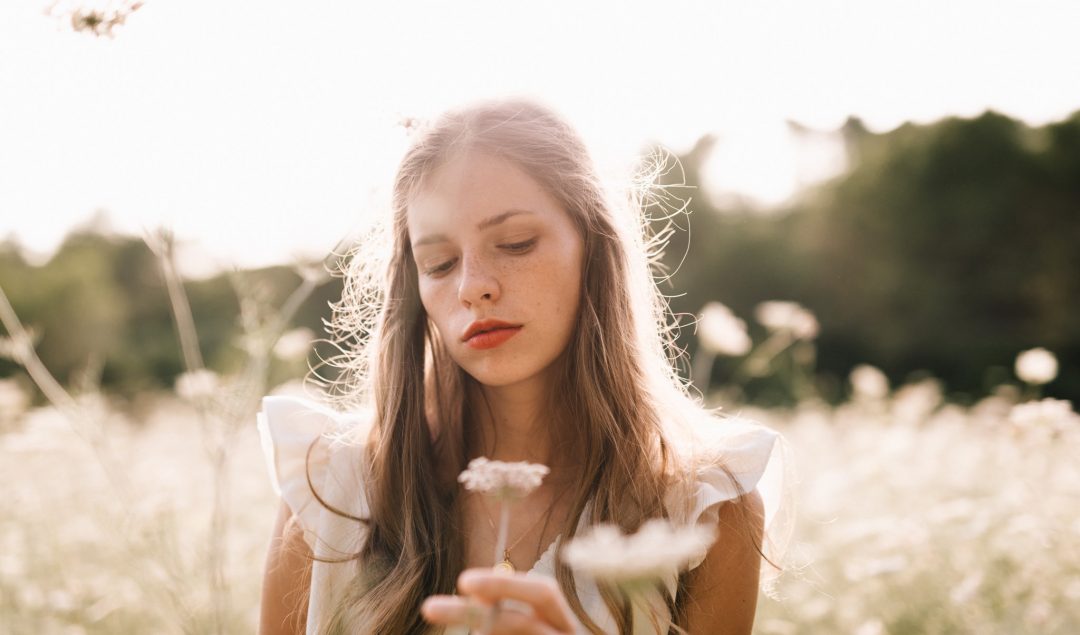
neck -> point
(514, 423)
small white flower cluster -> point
(295, 344)
(869, 383)
(1037, 366)
(792, 317)
(13, 400)
(506, 481)
(721, 333)
(17, 349)
(1051, 415)
(197, 385)
(658, 549)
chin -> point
(497, 378)
(504, 373)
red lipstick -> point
(483, 334)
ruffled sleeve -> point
(732, 457)
(305, 454)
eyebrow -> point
(490, 221)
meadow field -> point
(197, 209)
(915, 516)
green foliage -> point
(946, 248)
(100, 305)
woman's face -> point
(499, 263)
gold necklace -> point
(506, 566)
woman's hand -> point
(480, 605)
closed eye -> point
(439, 269)
(519, 248)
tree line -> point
(944, 249)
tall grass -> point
(178, 575)
(916, 516)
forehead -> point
(473, 186)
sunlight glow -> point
(262, 133)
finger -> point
(449, 610)
(510, 622)
(540, 592)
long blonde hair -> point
(617, 386)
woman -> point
(516, 319)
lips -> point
(484, 334)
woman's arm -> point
(723, 590)
(286, 579)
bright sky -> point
(259, 130)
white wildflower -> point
(913, 403)
(507, 483)
(17, 349)
(501, 479)
(1072, 588)
(1039, 613)
(871, 627)
(294, 344)
(13, 400)
(314, 272)
(1045, 414)
(968, 587)
(720, 332)
(658, 549)
(857, 570)
(199, 384)
(868, 382)
(1036, 366)
(60, 601)
(789, 317)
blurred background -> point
(878, 259)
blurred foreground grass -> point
(75, 559)
(914, 518)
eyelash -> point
(516, 249)
(521, 247)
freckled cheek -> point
(561, 287)
(434, 302)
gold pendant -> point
(505, 566)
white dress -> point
(289, 425)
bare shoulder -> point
(723, 590)
(286, 578)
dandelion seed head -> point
(504, 480)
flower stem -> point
(504, 528)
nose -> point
(478, 283)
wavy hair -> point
(617, 377)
